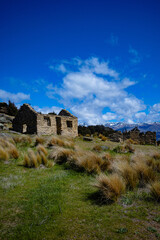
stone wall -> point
(134, 134)
(29, 121)
(25, 120)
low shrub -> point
(111, 186)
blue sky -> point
(98, 59)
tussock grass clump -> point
(97, 148)
(61, 143)
(155, 190)
(39, 140)
(39, 159)
(100, 135)
(107, 156)
(124, 169)
(23, 140)
(56, 141)
(61, 155)
(92, 163)
(13, 152)
(3, 154)
(69, 144)
(79, 160)
(111, 186)
(130, 141)
(30, 159)
(153, 161)
(5, 143)
(9, 149)
(43, 158)
(87, 135)
(103, 138)
(144, 172)
(42, 149)
(156, 155)
(125, 148)
(34, 160)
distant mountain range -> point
(143, 127)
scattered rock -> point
(87, 139)
(104, 148)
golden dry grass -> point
(155, 190)
(145, 173)
(91, 163)
(124, 148)
(43, 158)
(61, 143)
(39, 140)
(13, 152)
(30, 159)
(41, 148)
(22, 139)
(124, 169)
(111, 186)
(8, 148)
(3, 154)
(61, 155)
(103, 138)
(56, 141)
(97, 148)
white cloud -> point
(14, 97)
(60, 67)
(46, 110)
(135, 57)
(91, 86)
(154, 113)
(109, 116)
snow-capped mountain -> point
(143, 127)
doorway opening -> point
(58, 125)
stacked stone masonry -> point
(29, 121)
(137, 136)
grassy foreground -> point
(61, 203)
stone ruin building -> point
(29, 121)
(135, 134)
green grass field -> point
(61, 203)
